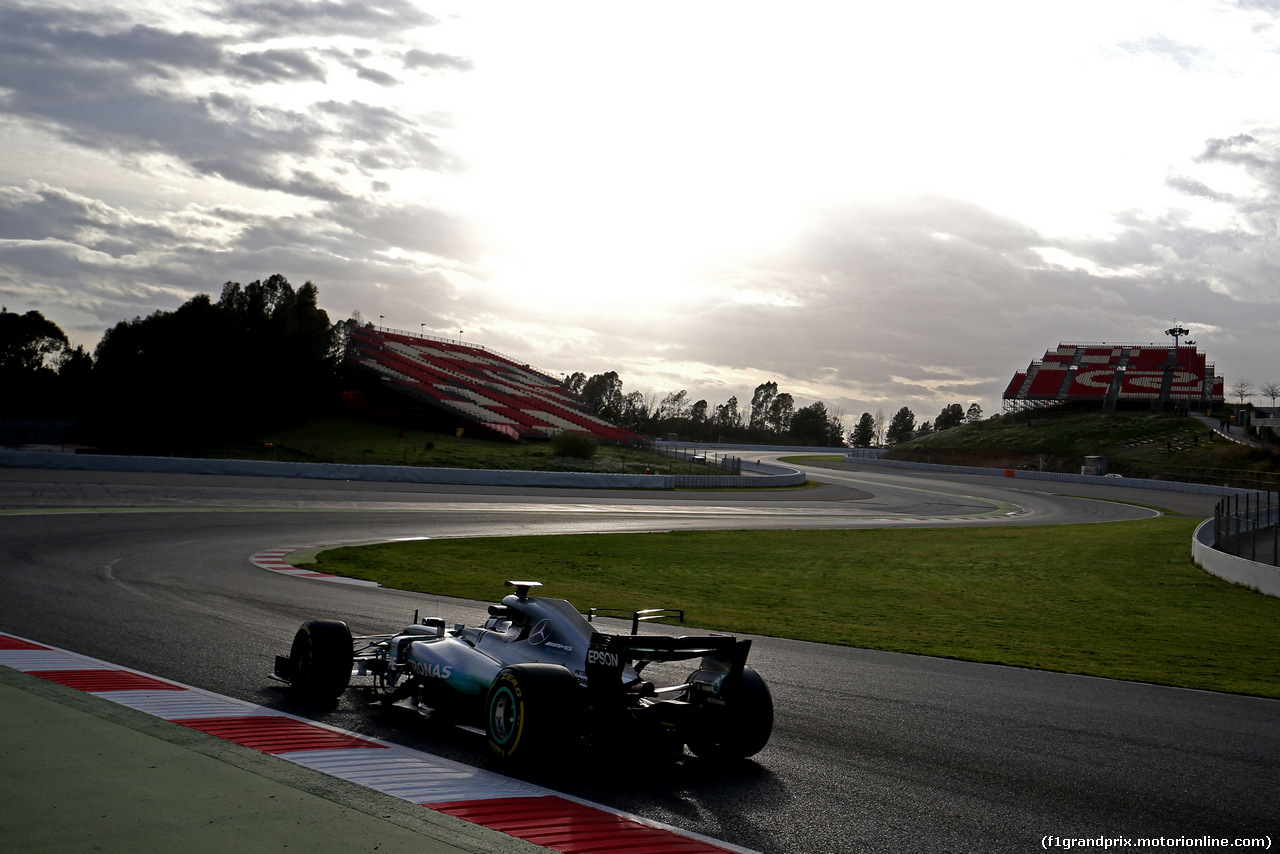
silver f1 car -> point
(539, 677)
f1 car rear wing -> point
(609, 654)
(636, 617)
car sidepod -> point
(447, 666)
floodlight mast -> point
(1177, 332)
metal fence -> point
(692, 459)
(1267, 481)
(1247, 525)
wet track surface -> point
(871, 752)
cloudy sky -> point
(873, 204)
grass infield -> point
(1122, 600)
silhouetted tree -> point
(603, 393)
(40, 375)
(761, 400)
(261, 356)
(727, 417)
(951, 415)
(781, 410)
(814, 425)
(901, 427)
(1243, 389)
(835, 430)
(864, 432)
(638, 413)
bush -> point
(574, 444)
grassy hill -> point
(1138, 443)
(343, 439)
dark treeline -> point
(265, 355)
(770, 416)
(902, 427)
(262, 355)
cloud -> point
(1185, 56)
(367, 19)
(417, 58)
(276, 66)
(709, 225)
(373, 75)
(1192, 187)
(39, 212)
(100, 82)
(1257, 154)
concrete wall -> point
(1259, 576)
(1022, 474)
(764, 475)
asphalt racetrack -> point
(871, 751)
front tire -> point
(531, 711)
(321, 659)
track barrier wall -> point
(762, 475)
(1258, 576)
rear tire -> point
(532, 710)
(321, 659)
(742, 727)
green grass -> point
(357, 442)
(1137, 443)
(1120, 600)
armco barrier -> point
(767, 475)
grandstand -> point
(474, 388)
(1115, 376)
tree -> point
(974, 415)
(864, 432)
(761, 400)
(29, 342)
(835, 429)
(264, 354)
(727, 416)
(923, 429)
(809, 425)
(901, 427)
(781, 410)
(1271, 390)
(1243, 389)
(674, 406)
(603, 393)
(40, 376)
(636, 412)
(575, 381)
(879, 422)
(698, 412)
(950, 416)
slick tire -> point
(321, 658)
(740, 728)
(532, 711)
